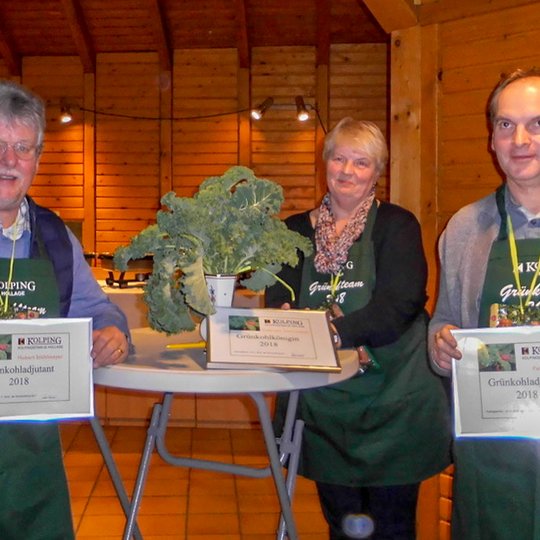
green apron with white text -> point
(497, 481)
(372, 429)
(34, 499)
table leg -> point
(290, 444)
(275, 465)
(143, 471)
(113, 470)
(279, 451)
(293, 449)
(196, 463)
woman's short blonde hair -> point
(361, 134)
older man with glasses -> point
(36, 246)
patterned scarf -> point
(332, 250)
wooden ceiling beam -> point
(9, 53)
(392, 14)
(242, 39)
(81, 36)
(437, 12)
(157, 22)
(323, 17)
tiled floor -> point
(181, 504)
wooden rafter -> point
(392, 14)
(81, 36)
(9, 54)
(242, 34)
(323, 32)
(157, 22)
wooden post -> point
(165, 134)
(323, 111)
(413, 127)
(89, 162)
(244, 124)
(322, 93)
(413, 175)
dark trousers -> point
(392, 509)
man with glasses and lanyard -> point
(491, 247)
(36, 245)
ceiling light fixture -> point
(65, 115)
(259, 111)
(301, 110)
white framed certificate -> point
(496, 385)
(46, 369)
(262, 338)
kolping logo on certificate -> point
(497, 382)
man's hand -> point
(445, 348)
(110, 346)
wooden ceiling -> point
(89, 27)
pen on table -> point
(193, 345)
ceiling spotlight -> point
(259, 111)
(65, 115)
(301, 111)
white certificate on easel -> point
(290, 339)
(45, 369)
(496, 384)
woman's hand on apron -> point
(110, 346)
(335, 312)
(333, 330)
(445, 348)
(363, 358)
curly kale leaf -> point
(260, 279)
(167, 309)
(262, 197)
(195, 289)
(141, 245)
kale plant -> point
(230, 226)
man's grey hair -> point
(19, 105)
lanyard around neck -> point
(5, 300)
(515, 268)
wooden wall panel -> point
(59, 183)
(472, 61)
(205, 142)
(283, 149)
(127, 146)
(124, 184)
(438, 11)
(359, 88)
(4, 71)
(446, 480)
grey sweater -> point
(464, 248)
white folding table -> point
(153, 367)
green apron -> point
(35, 503)
(497, 481)
(372, 429)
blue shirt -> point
(87, 299)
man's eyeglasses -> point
(22, 150)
